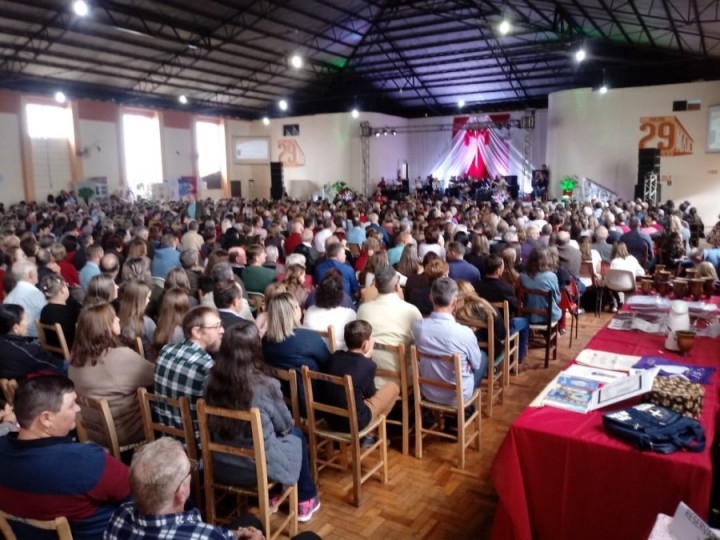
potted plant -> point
(568, 185)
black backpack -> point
(651, 427)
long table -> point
(560, 476)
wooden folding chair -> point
(495, 378)
(261, 491)
(186, 434)
(56, 331)
(511, 343)
(329, 337)
(8, 387)
(60, 525)
(321, 436)
(464, 437)
(401, 377)
(95, 417)
(289, 377)
(548, 329)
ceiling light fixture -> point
(377, 133)
(60, 97)
(266, 121)
(604, 88)
(283, 105)
(355, 113)
(385, 132)
(183, 99)
(80, 8)
(393, 132)
(461, 103)
(296, 61)
(580, 55)
(504, 27)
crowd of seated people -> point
(155, 294)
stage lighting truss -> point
(526, 122)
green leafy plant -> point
(85, 193)
(568, 183)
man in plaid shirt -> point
(182, 368)
(160, 483)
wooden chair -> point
(321, 436)
(548, 329)
(138, 347)
(401, 377)
(8, 387)
(61, 348)
(289, 377)
(463, 437)
(497, 363)
(511, 343)
(95, 416)
(261, 490)
(60, 525)
(329, 336)
(186, 435)
(571, 306)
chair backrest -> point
(8, 387)
(416, 357)
(289, 377)
(151, 427)
(257, 452)
(56, 330)
(95, 416)
(587, 271)
(60, 525)
(545, 312)
(504, 310)
(329, 335)
(158, 281)
(401, 376)
(137, 345)
(620, 280)
(314, 407)
(604, 267)
(488, 325)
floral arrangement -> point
(340, 190)
(568, 185)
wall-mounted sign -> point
(251, 149)
(667, 134)
(291, 130)
(291, 155)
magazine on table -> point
(649, 323)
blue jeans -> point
(480, 372)
(522, 326)
(306, 486)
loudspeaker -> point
(236, 188)
(276, 180)
(648, 160)
(513, 187)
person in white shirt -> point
(327, 310)
(26, 294)
(322, 235)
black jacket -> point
(20, 356)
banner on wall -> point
(187, 185)
(667, 134)
(291, 155)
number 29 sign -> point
(667, 134)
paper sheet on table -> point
(607, 360)
(593, 373)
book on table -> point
(574, 393)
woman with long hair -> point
(101, 290)
(295, 283)
(510, 275)
(134, 298)
(409, 264)
(60, 308)
(238, 380)
(169, 324)
(22, 355)
(419, 295)
(102, 368)
(540, 274)
(287, 345)
(588, 254)
(271, 291)
(470, 307)
(479, 249)
(622, 260)
(328, 309)
(177, 278)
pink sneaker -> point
(306, 509)
(273, 501)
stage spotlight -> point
(283, 105)
(266, 121)
(296, 61)
(385, 132)
(60, 97)
(80, 8)
(394, 132)
(183, 100)
(355, 113)
(377, 133)
(461, 103)
(504, 27)
(603, 89)
(580, 55)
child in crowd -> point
(357, 362)
(8, 422)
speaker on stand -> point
(277, 187)
(513, 186)
(648, 164)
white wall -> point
(104, 161)
(178, 152)
(597, 136)
(11, 168)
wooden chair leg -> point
(461, 436)
(383, 450)
(405, 428)
(356, 472)
(418, 430)
(548, 343)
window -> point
(51, 130)
(143, 158)
(210, 148)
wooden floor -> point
(429, 498)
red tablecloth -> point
(559, 476)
